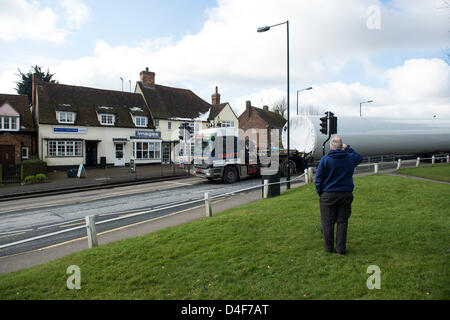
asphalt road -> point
(56, 219)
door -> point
(91, 153)
(165, 153)
(7, 154)
(119, 159)
(10, 172)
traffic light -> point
(324, 125)
(333, 125)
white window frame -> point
(142, 149)
(140, 121)
(64, 148)
(110, 119)
(27, 153)
(66, 117)
(8, 121)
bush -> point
(33, 167)
(35, 179)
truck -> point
(369, 136)
(220, 154)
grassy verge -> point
(270, 249)
(437, 172)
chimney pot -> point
(266, 108)
(215, 98)
(147, 78)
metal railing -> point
(308, 175)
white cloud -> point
(30, 20)
(77, 13)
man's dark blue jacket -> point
(335, 171)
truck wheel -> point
(230, 175)
(284, 168)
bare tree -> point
(280, 106)
(310, 110)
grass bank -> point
(437, 172)
(270, 249)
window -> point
(156, 122)
(25, 152)
(66, 117)
(64, 148)
(140, 121)
(169, 125)
(107, 119)
(9, 123)
(147, 150)
(227, 123)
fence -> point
(308, 175)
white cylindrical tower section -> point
(371, 136)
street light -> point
(297, 95)
(264, 29)
(369, 101)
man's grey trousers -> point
(335, 207)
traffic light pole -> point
(329, 116)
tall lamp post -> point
(264, 29)
(369, 101)
(297, 95)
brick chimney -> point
(36, 81)
(148, 78)
(215, 98)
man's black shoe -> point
(342, 252)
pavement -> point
(59, 182)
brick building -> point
(17, 130)
(257, 118)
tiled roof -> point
(216, 109)
(88, 102)
(21, 105)
(167, 102)
(273, 119)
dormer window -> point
(66, 117)
(9, 123)
(107, 119)
(140, 121)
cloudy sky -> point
(394, 52)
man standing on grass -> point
(334, 184)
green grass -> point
(270, 249)
(437, 172)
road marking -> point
(71, 225)
(181, 183)
(10, 235)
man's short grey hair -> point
(336, 143)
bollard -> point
(266, 189)
(306, 176)
(448, 159)
(311, 175)
(433, 159)
(208, 205)
(375, 167)
(399, 164)
(91, 231)
(417, 161)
